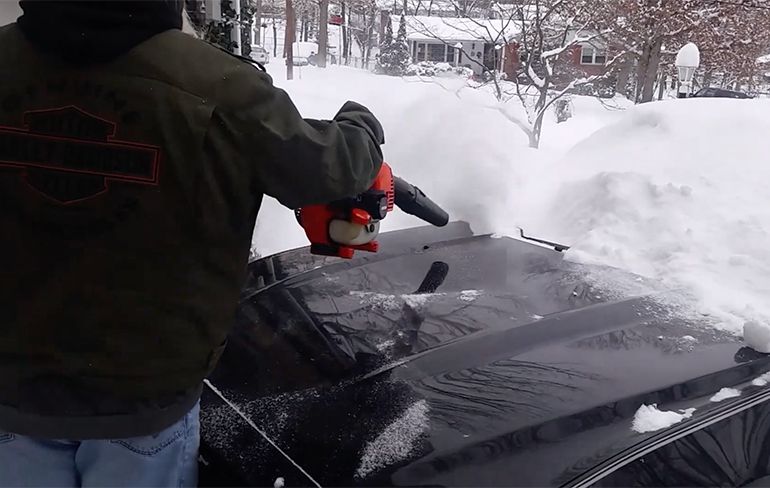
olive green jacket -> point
(128, 196)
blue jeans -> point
(169, 458)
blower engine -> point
(342, 227)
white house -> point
(474, 43)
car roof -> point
(721, 92)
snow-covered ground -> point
(677, 191)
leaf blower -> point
(342, 227)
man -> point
(133, 160)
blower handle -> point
(413, 201)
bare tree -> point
(647, 29)
(549, 32)
(731, 43)
(546, 32)
(362, 17)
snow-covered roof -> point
(457, 29)
(764, 59)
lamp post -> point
(687, 62)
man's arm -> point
(299, 161)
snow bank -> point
(649, 419)
(724, 394)
(676, 191)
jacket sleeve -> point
(298, 161)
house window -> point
(421, 51)
(437, 53)
(450, 54)
(592, 55)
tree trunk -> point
(345, 39)
(537, 128)
(275, 39)
(623, 76)
(662, 86)
(323, 32)
(641, 69)
(406, 8)
(291, 27)
(651, 71)
(430, 7)
(707, 79)
(257, 19)
(367, 40)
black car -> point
(450, 359)
(712, 92)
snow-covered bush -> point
(602, 88)
(488, 76)
(428, 68)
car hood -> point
(513, 361)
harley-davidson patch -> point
(70, 155)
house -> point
(486, 44)
(479, 44)
(589, 57)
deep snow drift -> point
(678, 191)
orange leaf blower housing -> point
(342, 227)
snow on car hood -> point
(678, 191)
